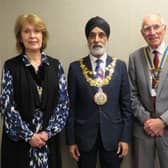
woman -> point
(34, 100)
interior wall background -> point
(66, 20)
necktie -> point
(98, 69)
(156, 63)
(156, 59)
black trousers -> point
(108, 159)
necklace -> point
(98, 82)
(100, 98)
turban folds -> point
(97, 22)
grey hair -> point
(153, 15)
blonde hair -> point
(36, 21)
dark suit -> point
(87, 120)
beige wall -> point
(66, 20)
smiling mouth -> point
(33, 42)
(153, 39)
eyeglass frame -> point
(156, 27)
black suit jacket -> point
(113, 118)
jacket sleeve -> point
(125, 105)
(70, 128)
(139, 111)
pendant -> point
(156, 85)
(100, 98)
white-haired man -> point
(148, 71)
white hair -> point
(150, 16)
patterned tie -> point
(156, 63)
(98, 69)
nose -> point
(152, 30)
(32, 34)
(97, 38)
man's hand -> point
(154, 127)
(74, 152)
(122, 150)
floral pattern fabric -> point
(17, 129)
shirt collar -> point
(160, 49)
(103, 58)
(44, 59)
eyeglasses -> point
(155, 27)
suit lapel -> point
(145, 76)
(87, 62)
(108, 61)
(163, 76)
(146, 72)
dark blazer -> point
(113, 118)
